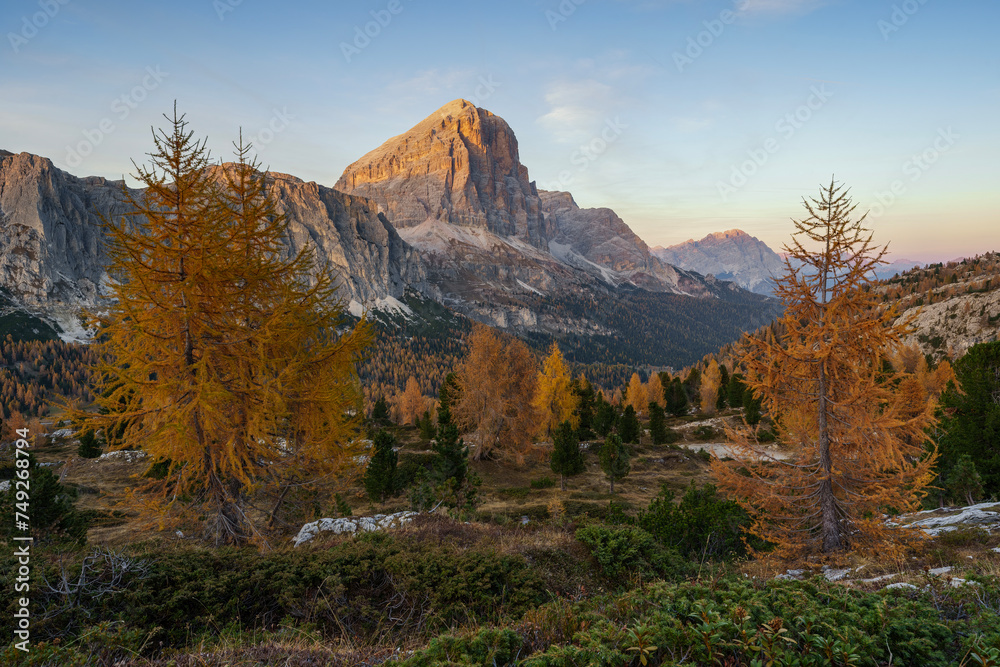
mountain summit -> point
(730, 255)
(460, 166)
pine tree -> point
(585, 407)
(723, 394)
(629, 427)
(89, 448)
(658, 430)
(567, 459)
(972, 415)
(604, 416)
(855, 457)
(676, 398)
(554, 399)
(218, 358)
(380, 412)
(380, 475)
(735, 390)
(614, 459)
(964, 481)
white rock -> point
(126, 455)
(353, 524)
(4, 485)
(901, 584)
(836, 575)
(938, 571)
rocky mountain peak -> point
(730, 255)
(460, 166)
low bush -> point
(703, 525)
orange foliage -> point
(496, 386)
(856, 440)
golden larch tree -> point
(709, 389)
(411, 402)
(217, 357)
(636, 396)
(554, 400)
(654, 390)
(857, 450)
(496, 386)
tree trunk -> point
(829, 525)
(612, 485)
(562, 482)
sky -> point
(684, 116)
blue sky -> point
(684, 116)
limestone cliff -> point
(52, 254)
(459, 165)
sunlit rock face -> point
(459, 165)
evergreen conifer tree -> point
(629, 427)
(567, 459)
(380, 475)
(614, 459)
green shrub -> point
(623, 550)
(543, 483)
(703, 525)
(703, 432)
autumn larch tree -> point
(636, 395)
(411, 402)
(555, 401)
(855, 456)
(217, 358)
(496, 385)
(654, 390)
(709, 390)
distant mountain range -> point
(443, 212)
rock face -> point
(459, 165)
(52, 240)
(598, 241)
(455, 188)
(50, 232)
(732, 255)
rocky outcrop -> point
(52, 255)
(459, 165)
(598, 241)
(371, 260)
(51, 250)
(353, 524)
(733, 255)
